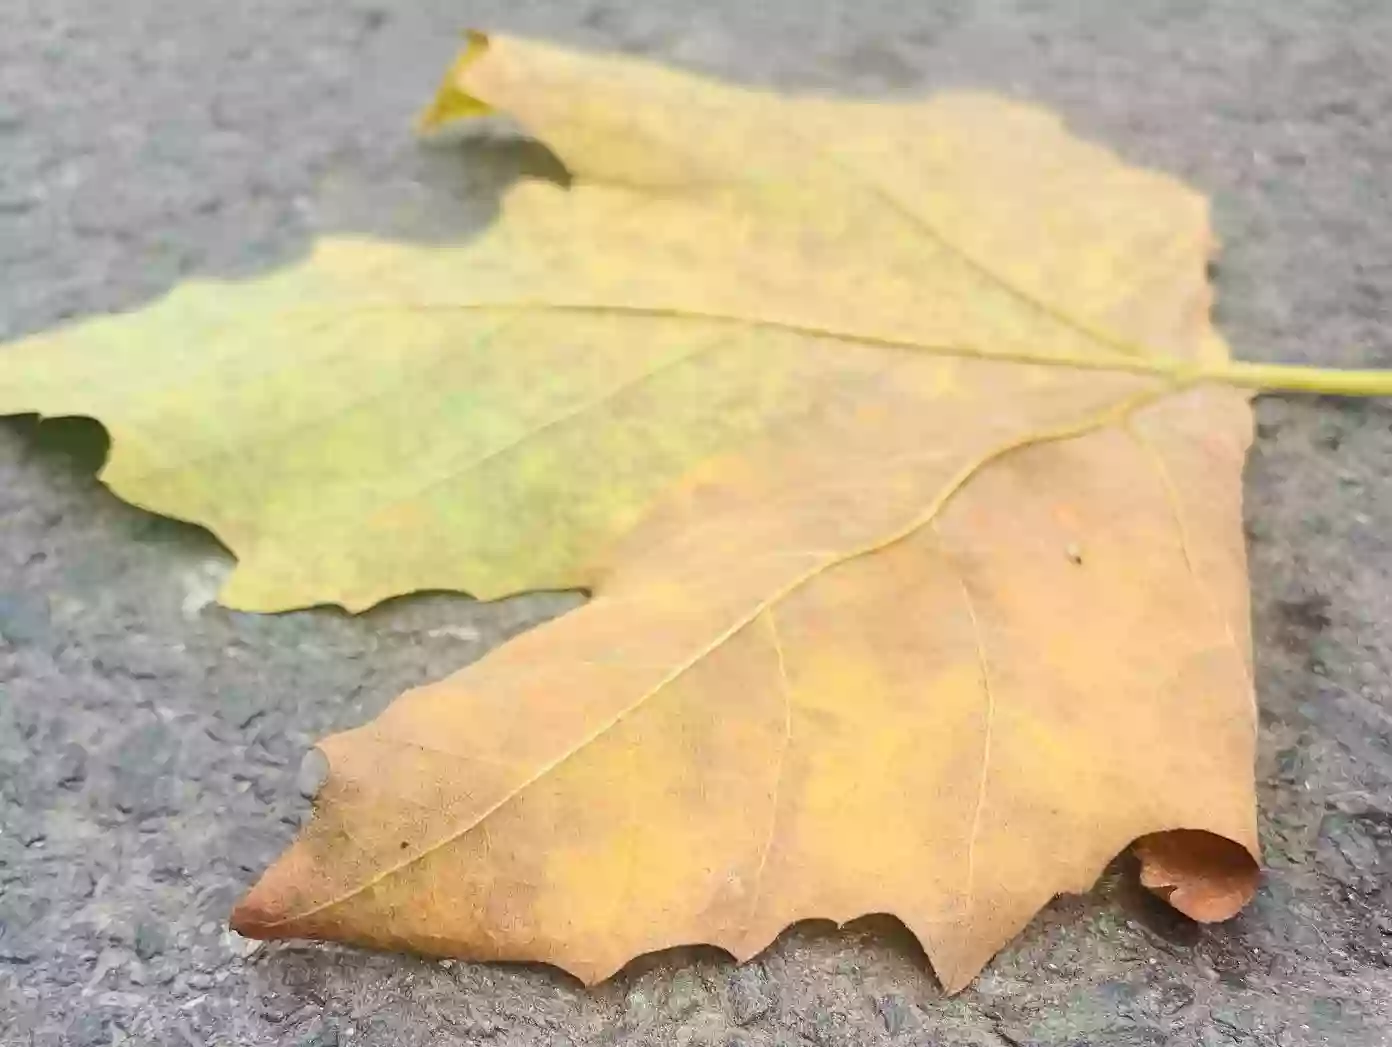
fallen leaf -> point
(859, 662)
(894, 443)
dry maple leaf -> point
(894, 443)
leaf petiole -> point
(1298, 379)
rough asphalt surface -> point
(151, 742)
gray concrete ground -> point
(150, 742)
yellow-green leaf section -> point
(492, 416)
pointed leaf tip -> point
(452, 102)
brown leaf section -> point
(949, 729)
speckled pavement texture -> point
(151, 742)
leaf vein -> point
(1172, 498)
(785, 690)
(920, 224)
(988, 692)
